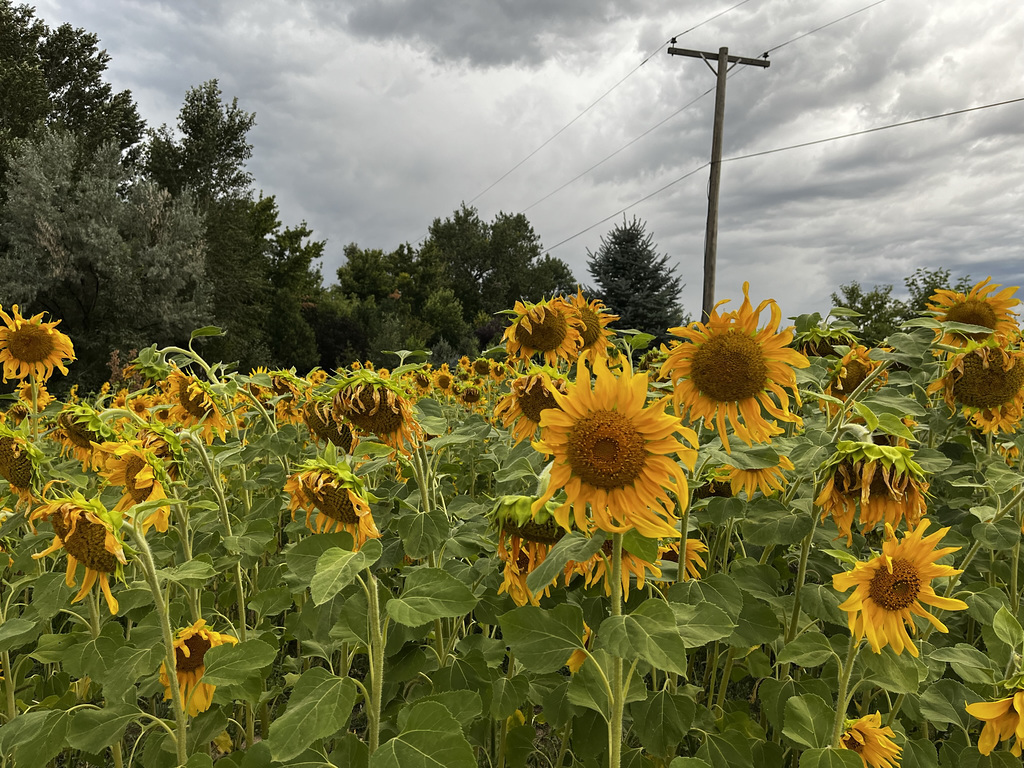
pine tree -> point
(634, 281)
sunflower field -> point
(755, 545)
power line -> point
(823, 26)
(784, 149)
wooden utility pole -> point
(711, 233)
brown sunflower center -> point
(714, 488)
(545, 335)
(422, 380)
(481, 366)
(194, 404)
(30, 343)
(132, 466)
(592, 326)
(548, 532)
(850, 742)
(533, 399)
(322, 424)
(375, 410)
(444, 381)
(987, 386)
(856, 372)
(79, 435)
(471, 395)
(973, 312)
(336, 504)
(197, 646)
(606, 450)
(86, 543)
(897, 590)
(15, 464)
(729, 367)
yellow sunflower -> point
(336, 495)
(524, 541)
(142, 475)
(549, 328)
(614, 454)
(981, 306)
(43, 397)
(987, 382)
(422, 380)
(530, 395)
(190, 647)
(872, 741)
(848, 373)
(767, 480)
(79, 431)
(595, 318)
(193, 403)
(729, 371)
(598, 569)
(884, 481)
(443, 380)
(1003, 719)
(30, 347)
(889, 589)
(89, 533)
(377, 406)
(473, 396)
(694, 560)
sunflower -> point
(18, 459)
(872, 741)
(889, 589)
(550, 328)
(595, 318)
(289, 389)
(30, 347)
(987, 382)
(317, 376)
(530, 395)
(885, 481)
(336, 495)
(614, 453)
(323, 426)
(79, 430)
(481, 367)
(499, 371)
(43, 397)
(190, 647)
(193, 403)
(848, 373)
(524, 541)
(695, 549)
(981, 306)
(815, 339)
(714, 482)
(1003, 719)
(730, 370)
(422, 381)
(142, 475)
(89, 533)
(376, 405)
(767, 480)
(598, 569)
(472, 395)
(444, 382)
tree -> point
(119, 271)
(634, 281)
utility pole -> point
(711, 233)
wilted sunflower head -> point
(549, 328)
(378, 406)
(30, 347)
(982, 306)
(872, 741)
(191, 645)
(324, 426)
(143, 476)
(18, 459)
(815, 338)
(79, 430)
(336, 494)
(987, 382)
(529, 396)
(194, 403)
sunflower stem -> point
(376, 650)
(34, 416)
(842, 701)
(618, 695)
(801, 575)
(684, 532)
(145, 557)
(9, 682)
(730, 657)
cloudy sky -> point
(374, 118)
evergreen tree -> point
(635, 282)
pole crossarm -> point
(714, 56)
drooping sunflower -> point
(713, 482)
(529, 395)
(549, 328)
(817, 339)
(872, 741)
(376, 405)
(289, 390)
(325, 427)
(694, 560)
(1003, 719)
(18, 457)
(848, 373)
(767, 480)
(598, 569)
(473, 395)
(613, 453)
(28, 346)
(79, 430)
(595, 317)
(889, 589)
(987, 382)
(193, 403)
(884, 481)
(336, 495)
(524, 541)
(143, 476)
(982, 306)
(90, 534)
(730, 372)
(190, 647)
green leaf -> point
(970, 664)
(319, 706)
(899, 674)
(337, 568)
(574, 547)
(509, 693)
(431, 593)
(808, 720)
(811, 649)
(1000, 535)
(233, 664)
(757, 625)
(641, 546)
(944, 701)
(430, 738)
(587, 688)
(93, 729)
(920, 753)
(195, 573)
(464, 705)
(34, 738)
(17, 631)
(303, 557)
(662, 720)
(423, 532)
(689, 762)
(543, 639)
(430, 415)
(769, 522)
(701, 624)
(1008, 629)
(719, 589)
(726, 751)
(207, 330)
(830, 758)
(650, 633)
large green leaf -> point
(319, 706)
(899, 674)
(662, 720)
(429, 738)
(303, 557)
(1008, 629)
(811, 649)
(543, 639)
(233, 664)
(34, 738)
(93, 729)
(649, 633)
(726, 751)
(809, 720)
(337, 568)
(944, 701)
(431, 593)
(830, 758)
(423, 532)
(509, 693)
(701, 624)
